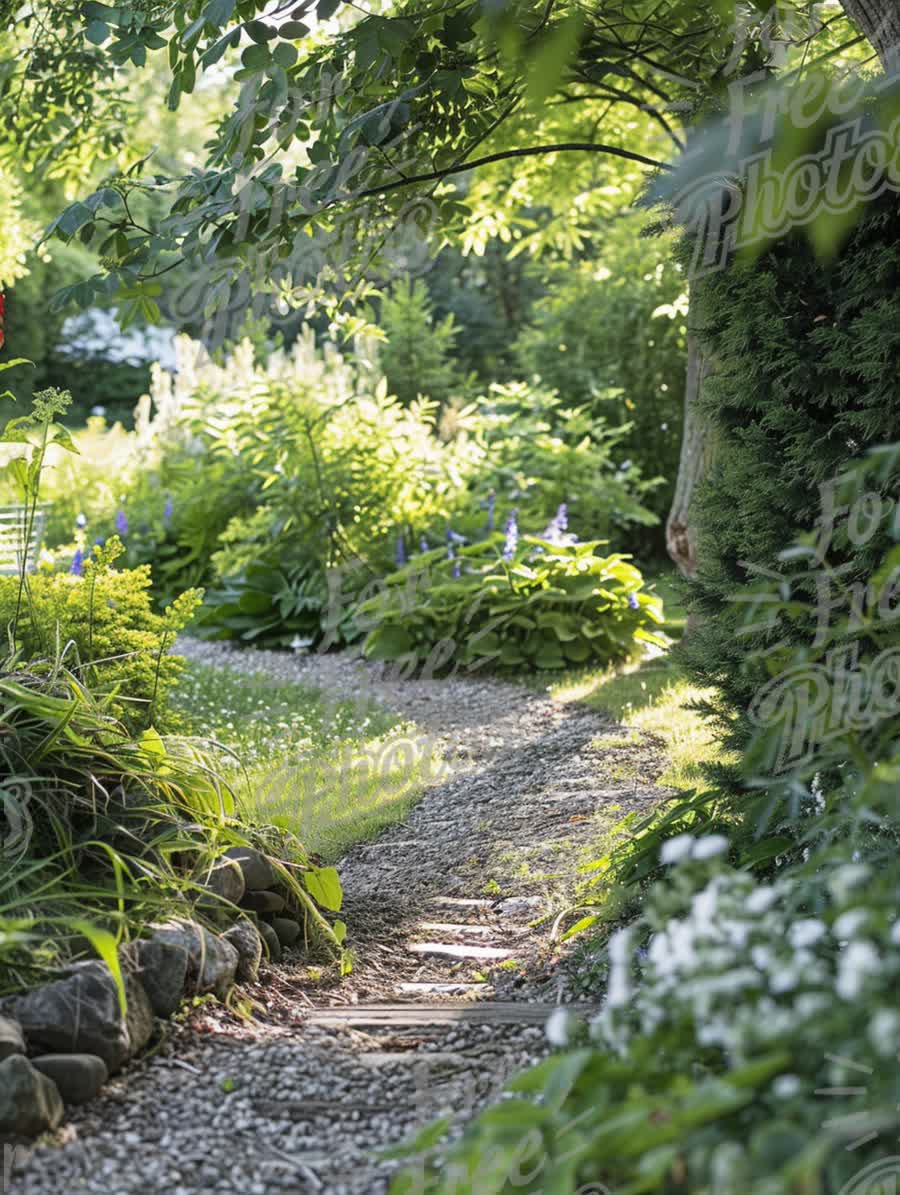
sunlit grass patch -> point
(651, 696)
(333, 772)
(349, 792)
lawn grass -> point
(332, 772)
(651, 695)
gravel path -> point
(455, 906)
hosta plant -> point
(499, 605)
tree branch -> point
(502, 155)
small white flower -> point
(676, 849)
(806, 933)
(786, 1086)
(884, 1032)
(559, 1027)
(619, 988)
(760, 900)
(846, 878)
(848, 923)
(859, 961)
(709, 847)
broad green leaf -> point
(324, 886)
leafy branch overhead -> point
(352, 134)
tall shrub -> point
(806, 356)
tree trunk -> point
(879, 21)
(695, 451)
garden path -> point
(452, 916)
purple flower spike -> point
(169, 508)
(423, 545)
(512, 536)
(77, 563)
(400, 553)
(456, 569)
(632, 601)
(555, 531)
(121, 522)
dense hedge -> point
(806, 356)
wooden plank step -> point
(441, 1013)
(447, 927)
(442, 989)
(448, 950)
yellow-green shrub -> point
(104, 627)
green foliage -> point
(549, 605)
(286, 487)
(105, 834)
(532, 452)
(758, 973)
(804, 355)
(610, 336)
(418, 358)
(103, 626)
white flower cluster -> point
(747, 972)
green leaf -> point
(105, 945)
(62, 436)
(256, 57)
(387, 643)
(97, 32)
(327, 8)
(73, 218)
(293, 30)
(218, 12)
(324, 886)
(259, 31)
(285, 55)
(547, 64)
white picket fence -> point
(13, 522)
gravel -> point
(489, 855)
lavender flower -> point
(99, 541)
(169, 508)
(512, 536)
(456, 569)
(81, 521)
(556, 528)
(77, 563)
(400, 553)
(451, 550)
(121, 522)
(423, 545)
(632, 601)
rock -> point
(212, 962)
(287, 929)
(263, 902)
(273, 946)
(78, 1077)
(163, 968)
(80, 1014)
(226, 881)
(246, 940)
(29, 1101)
(256, 869)
(12, 1040)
